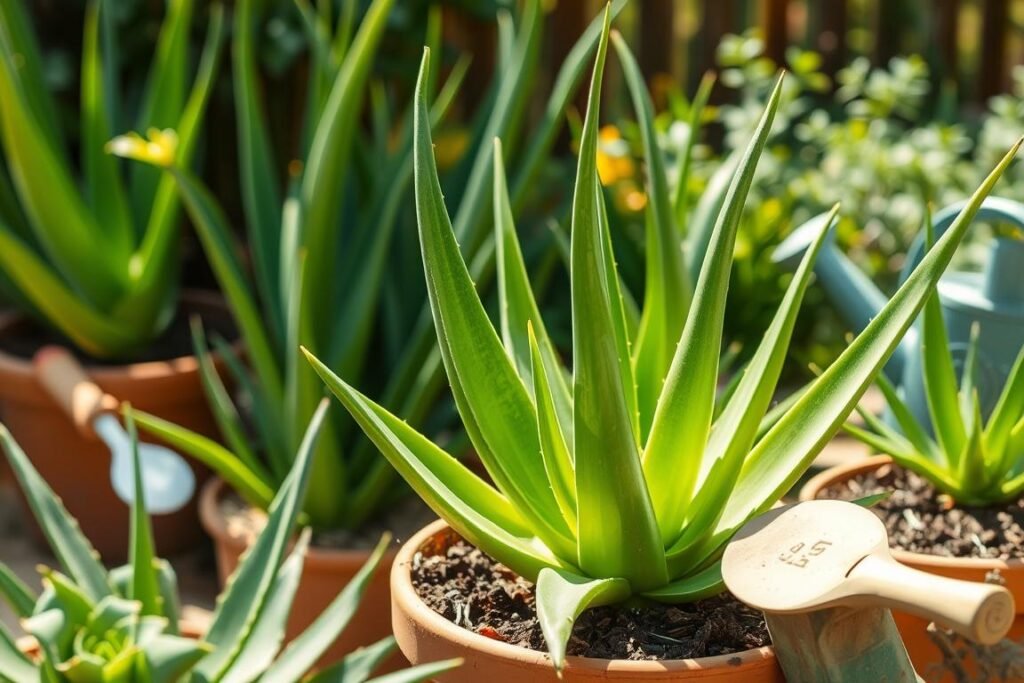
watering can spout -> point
(852, 292)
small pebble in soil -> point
(921, 519)
(471, 589)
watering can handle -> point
(79, 397)
(992, 209)
(981, 612)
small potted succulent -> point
(957, 484)
(596, 503)
(303, 292)
(90, 259)
(122, 626)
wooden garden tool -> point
(167, 480)
(822, 574)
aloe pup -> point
(328, 251)
(121, 626)
(974, 460)
(95, 255)
(591, 502)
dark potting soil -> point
(403, 519)
(923, 520)
(28, 336)
(474, 591)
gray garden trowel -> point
(167, 480)
(822, 573)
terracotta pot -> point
(927, 658)
(425, 636)
(78, 467)
(324, 574)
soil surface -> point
(923, 520)
(403, 520)
(472, 590)
(27, 337)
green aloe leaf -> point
(357, 666)
(940, 375)
(909, 426)
(261, 196)
(518, 306)
(104, 189)
(703, 584)
(778, 459)
(491, 398)
(705, 215)
(18, 40)
(66, 540)
(14, 591)
(262, 645)
(15, 665)
(557, 459)
(667, 288)
(613, 506)
(212, 454)
(971, 468)
(969, 380)
(697, 106)
(682, 422)
(303, 652)
(169, 658)
(562, 597)
(736, 428)
(246, 594)
(482, 515)
(144, 586)
(1009, 409)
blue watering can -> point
(994, 298)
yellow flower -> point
(158, 150)
(612, 167)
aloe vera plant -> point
(321, 250)
(592, 501)
(974, 460)
(121, 626)
(95, 256)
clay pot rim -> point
(840, 473)
(29, 646)
(404, 596)
(21, 368)
(317, 558)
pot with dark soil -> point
(164, 380)
(930, 531)
(450, 599)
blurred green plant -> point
(122, 626)
(333, 268)
(95, 256)
(616, 480)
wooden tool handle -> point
(64, 379)
(981, 612)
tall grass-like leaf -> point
(668, 286)
(478, 512)
(562, 597)
(16, 593)
(490, 396)
(697, 107)
(261, 197)
(244, 597)
(143, 586)
(682, 421)
(303, 652)
(554, 449)
(1008, 410)
(105, 192)
(774, 463)
(613, 505)
(72, 549)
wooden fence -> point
(972, 44)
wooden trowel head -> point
(797, 558)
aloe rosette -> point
(95, 255)
(121, 626)
(591, 501)
(975, 460)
